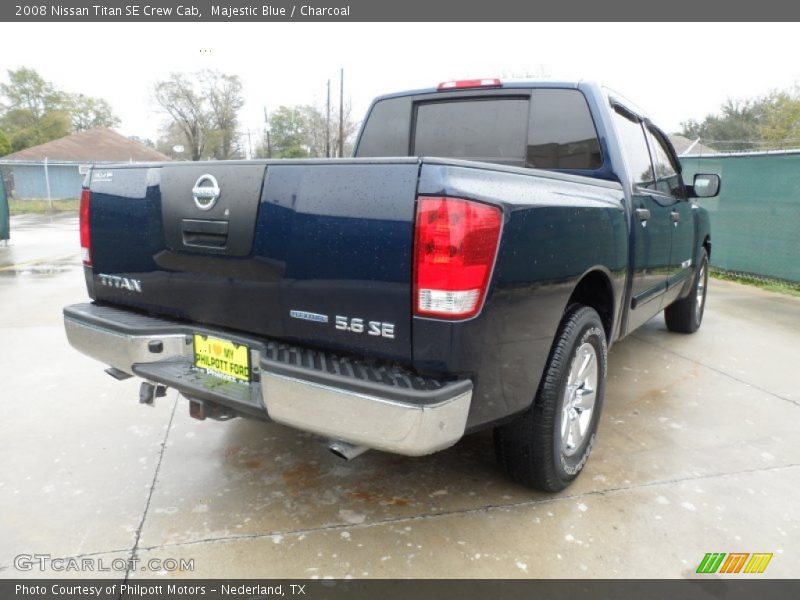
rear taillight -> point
(455, 244)
(86, 246)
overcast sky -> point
(673, 71)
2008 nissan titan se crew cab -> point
(398, 301)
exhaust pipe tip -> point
(346, 450)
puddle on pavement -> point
(40, 269)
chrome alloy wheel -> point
(701, 292)
(579, 398)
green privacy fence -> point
(4, 224)
(755, 220)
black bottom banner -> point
(386, 589)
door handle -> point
(642, 214)
(675, 216)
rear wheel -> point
(547, 446)
(686, 315)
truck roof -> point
(514, 84)
(529, 84)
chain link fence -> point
(755, 220)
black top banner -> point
(399, 10)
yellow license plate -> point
(222, 358)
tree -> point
(5, 144)
(225, 101)
(88, 112)
(184, 103)
(780, 126)
(737, 127)
(204, 107)
(26, 130)
(349, 128)
(767, 122)
(143, 141)
(300, 132)
(315, 130)
(540, 72)
(171, 138)
(289, 132)
(33, 111)
(27, 90)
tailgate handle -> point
(204, 234)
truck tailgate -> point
(285, 249)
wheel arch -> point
(594, 289)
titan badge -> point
(124, 283)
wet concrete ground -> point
(698, 451)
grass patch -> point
(40, 206)
(769, 285)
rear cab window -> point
(486, 129)
(545, 128)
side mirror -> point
(705, 186)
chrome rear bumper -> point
(384, 408)
(366, 420)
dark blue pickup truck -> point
(467, 269)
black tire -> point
(530, 449)
(686, 315)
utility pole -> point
(341, 113)
(328, 123)
(266, 129)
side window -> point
(668, 180)
(386, 130)
(631, 135)
(562, 133)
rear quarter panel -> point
(555, 231)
